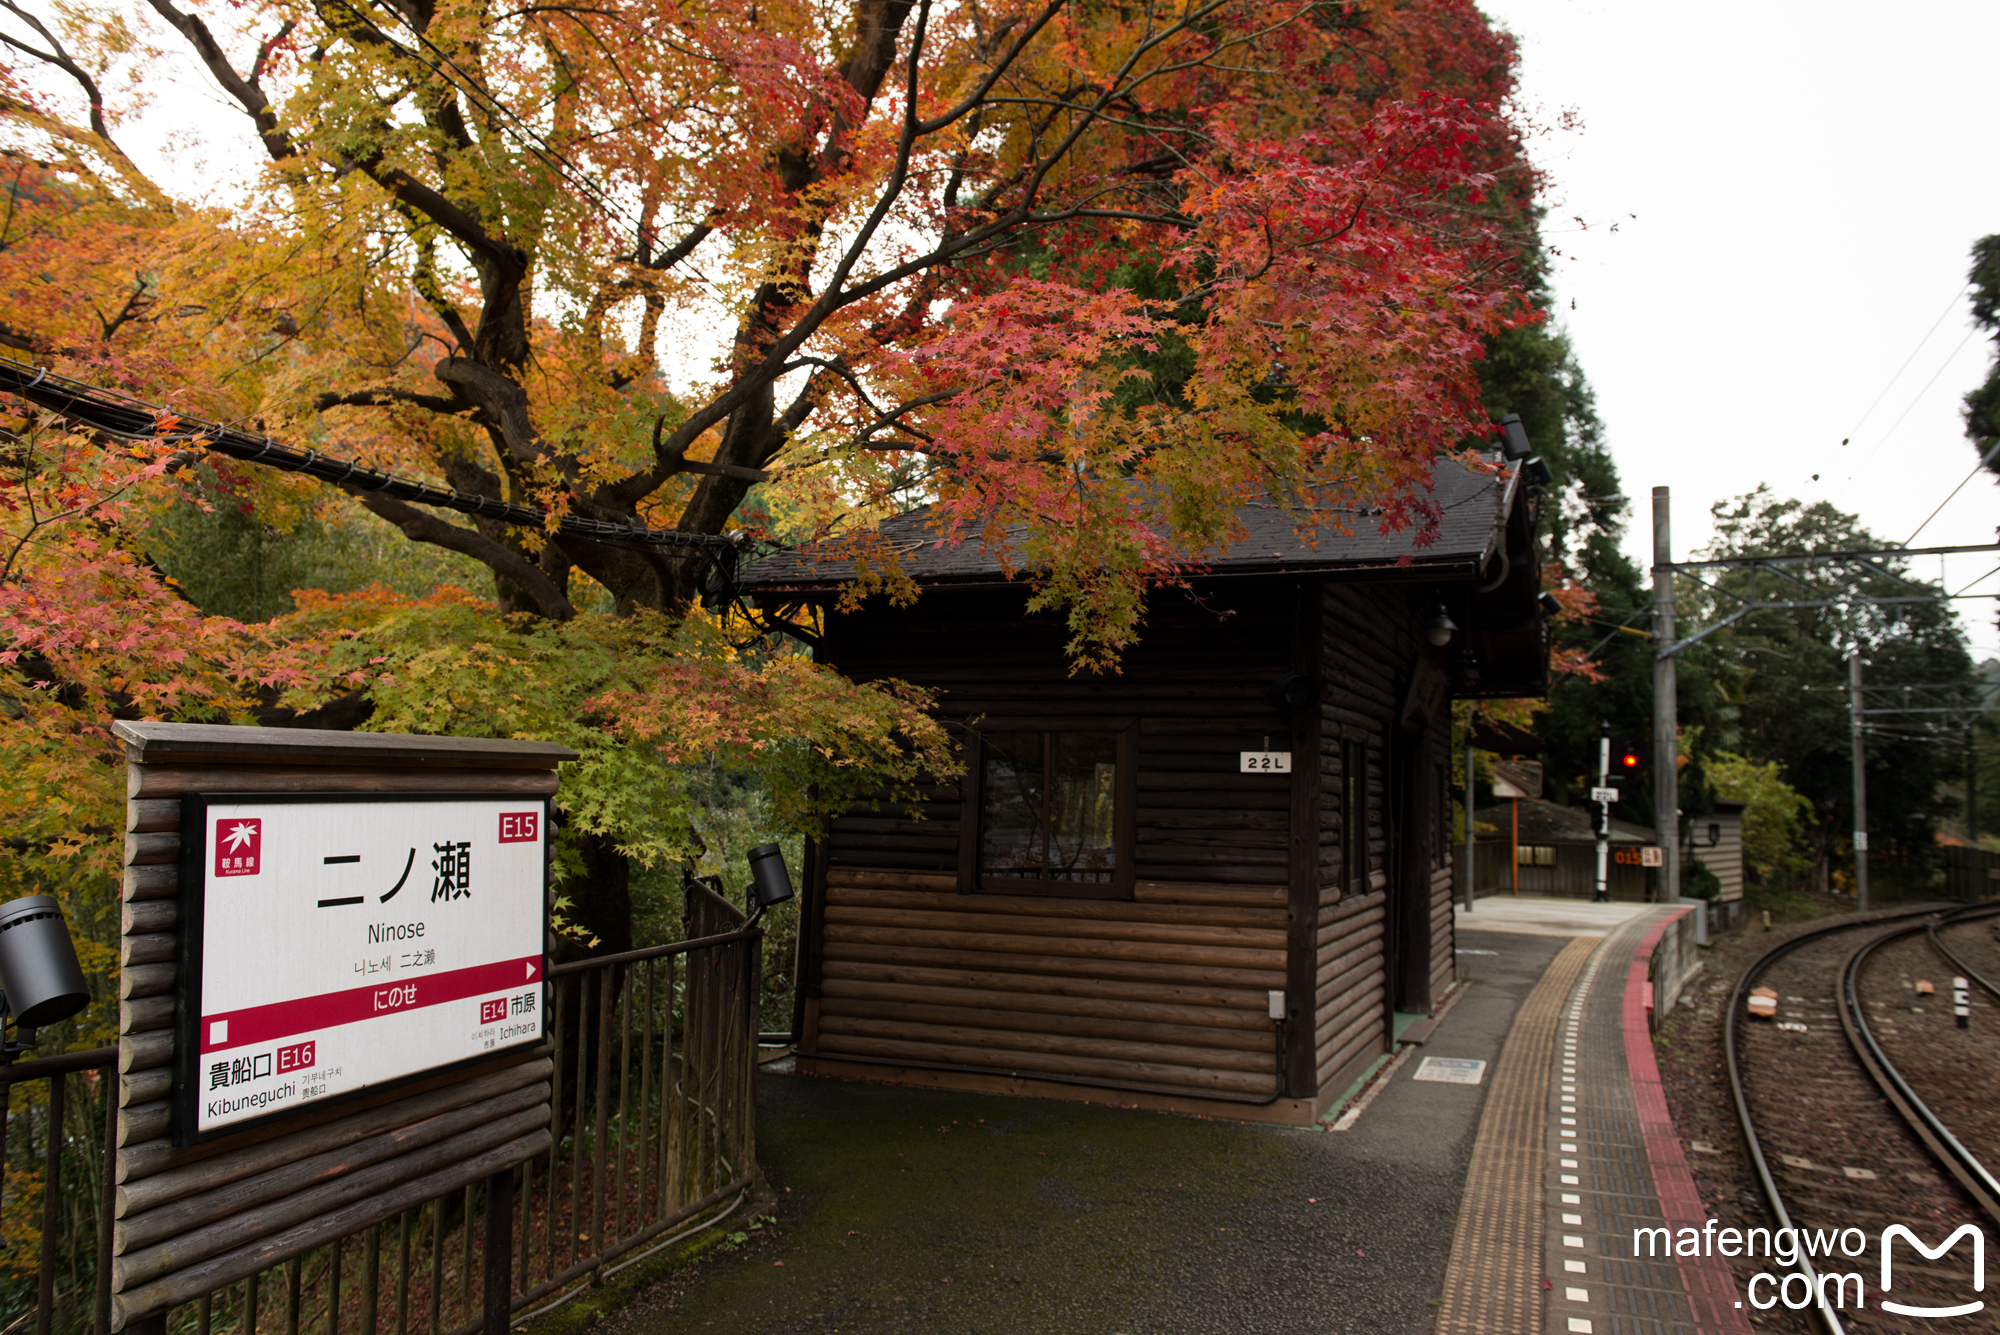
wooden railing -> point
(653, 1054)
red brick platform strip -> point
(1711, 1287)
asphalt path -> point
(908, 1210)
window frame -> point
(1125, 814)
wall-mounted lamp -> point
(1294, 691)
(770, 882)
(38, 970)
(1714, 834)
(1551, 606)
(1440, 628)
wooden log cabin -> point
(1111, 905)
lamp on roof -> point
(1513, 438)
(1440, 628)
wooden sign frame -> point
(188, 1091)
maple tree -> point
(485, 240)
(1087, 276)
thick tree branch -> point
(508, 564)
(380, 398)
(247, 92)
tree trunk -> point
(600, 900)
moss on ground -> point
(904, 1209)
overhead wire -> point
(1984, 460)
(1935, 325)
(1918, 398)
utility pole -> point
(1860, 783)
(1971, 791)
(1667, 710)
(1470, 775)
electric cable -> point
(1984, 460)
(1907, 360)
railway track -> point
(1837, 1135)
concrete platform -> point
(1575, 1151)
(1541, 916)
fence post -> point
(45, 1300)
(500, 1252)
(107, 1194)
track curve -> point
(1951, 1155)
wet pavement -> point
(932, 1211)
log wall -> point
(1196, 682)
(1168, 991)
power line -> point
(1912, 357)
(1942, 367)
(1984, 460)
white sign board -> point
(1266, 762)
(1451, 1070)
(1604, 794)
(338, 943)
(1652, 857)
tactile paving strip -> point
(1600, 1187)
(1493, 1284)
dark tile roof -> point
(1474, 507)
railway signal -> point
(1628, 757)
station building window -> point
(1051, 812)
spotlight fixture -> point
(38, 970)
(770, 882)
(1513, 438)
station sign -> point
(333, 944)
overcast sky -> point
(1795, 190)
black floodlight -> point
(1551, 605)
(770, 883)
(1537, 474)
(1440, 628)
(1513, 438)
(38, 969)
(1293, 692)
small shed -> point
(1716, 842)
(1556, 853)
(1128, 897)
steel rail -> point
(1957, 961)
(1733, 1064)
(1946, 1148)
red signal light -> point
(1629, 760)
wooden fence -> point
(650, 1062)
(1970, 873)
